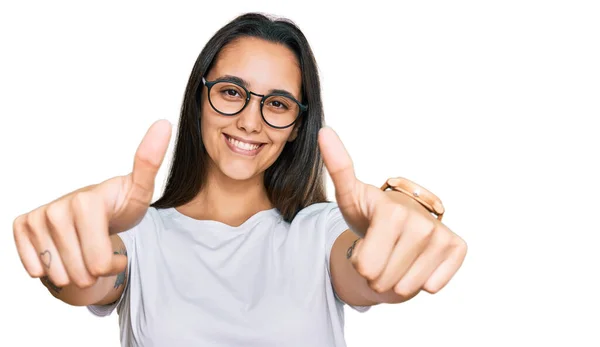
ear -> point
(294, 133)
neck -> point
(227, 200)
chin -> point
(239, 171)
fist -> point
(68, 239)
(403, 248)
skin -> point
(402, 249)
(235, 186)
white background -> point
(491, 105)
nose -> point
(250, 119)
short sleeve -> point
(128, 240)
(335, 226)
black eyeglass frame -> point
(210, 84)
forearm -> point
(105, 290)
(352, 287)
(101, 292)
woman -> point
(242, 248)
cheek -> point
(279, 138)
(278, 142)
(210, 126)
(210, 122)
(206, 130)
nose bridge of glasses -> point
(249, 108)
(250, 93)
(259, 99)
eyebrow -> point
(243, 82)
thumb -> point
(338, 162)
(148, 159)
(128, 197)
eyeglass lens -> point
(229, 98)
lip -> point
(235, 149)
(244, 140)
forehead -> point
(262, 64)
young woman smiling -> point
(242, 248)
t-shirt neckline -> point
(208, 222)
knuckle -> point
(60, 281)
(143, 190)
(424, 227)
(55, 214)
(432, 289)
(442, 239)
(32, 219)
(84, 281)
(77, 201)
(377, 287)
(34, 223)
(81, 201)
(461, 246)
(99, 267)
(366, 270)
(421, 230)
(18, 226)
(36, 272)
(398, 213)
(404, 288)
(18, 222)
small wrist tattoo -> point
(351, 249)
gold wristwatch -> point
(426, 198)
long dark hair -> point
(295, 180)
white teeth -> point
(242, 145)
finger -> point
(45, 248)
(62, 230)
(447, 269)
(379, 241)
(412, 242)
(148, 159)
(338, 162)
(25, 248)
(436, 252)
(91, 225)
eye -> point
(278, 104)
(230, 92)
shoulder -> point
(157, 217)
(324, 216)
(318, 208)
(153, 219)
(317, 211)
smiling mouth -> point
(241, 146)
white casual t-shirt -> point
(204, 283)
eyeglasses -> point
(277, 109)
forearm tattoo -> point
(120, 277)
(53, 287)
(351, 249)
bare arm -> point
(104, 291)
(404, 249)
(71, 243)
(427, 250)
(349, 285)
